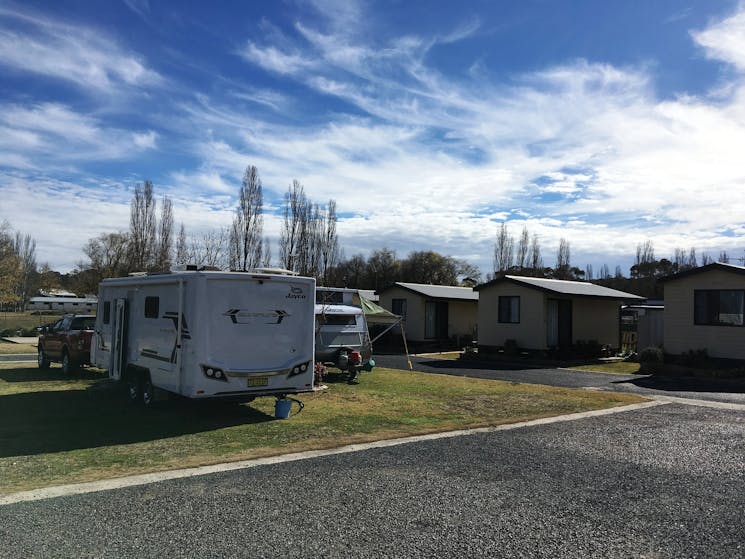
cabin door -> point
(559, 323)
(436, 320)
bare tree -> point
(724, 257)
(329, 245)
(142, 227)
(165, 236)
(523, 249)
(266, 259)
(211, 249)
(692, 261)
(588, 272)
(25, 249)
(503, 250)
(644, 253)
(10, 266)
(247, 231)
(182, 256)
(536, 260)
(562, 269)
(294, 227)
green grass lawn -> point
(618, 367)
(56, 430)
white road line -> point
(143, 479)
(696, 402)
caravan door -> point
(118, 339)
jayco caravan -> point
(204, 334)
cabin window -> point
(719, 307)
(107, 312)
(509, 309)
(398, 306)
(151, 307)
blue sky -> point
(606, 123)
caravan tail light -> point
(214, 373)
(297, 369)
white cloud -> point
(725, 40)
(52, 134)
(644, 163)
(145, 140)
(31, 43)
(585, 151)
(273, 59)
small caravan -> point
(205, 334)
(342, 337)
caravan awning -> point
(375, 314)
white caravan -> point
(204, 334)
(342, 337)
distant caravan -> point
(205, 334)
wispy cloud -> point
(649, 162)
(32, 43)
(52, 134)
(725, 40)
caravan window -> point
(329, 297)
(151, 307)
(107, 312)
(338, 319)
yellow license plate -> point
(258, 381)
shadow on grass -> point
(687, 384)
(28, 374)
(56, 421)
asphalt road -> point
(660, 482)
(644, 385)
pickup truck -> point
(67, 341)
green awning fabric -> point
(375, 314)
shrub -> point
(651, 360)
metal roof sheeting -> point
(566, 287)
(441, 291)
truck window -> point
(151, 307)
(80, 323)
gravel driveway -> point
(660, 482)
(711, 390)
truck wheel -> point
(68, 365)
(43, 361)
(147, 390)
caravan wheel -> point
(133, 386)
(148, 390)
